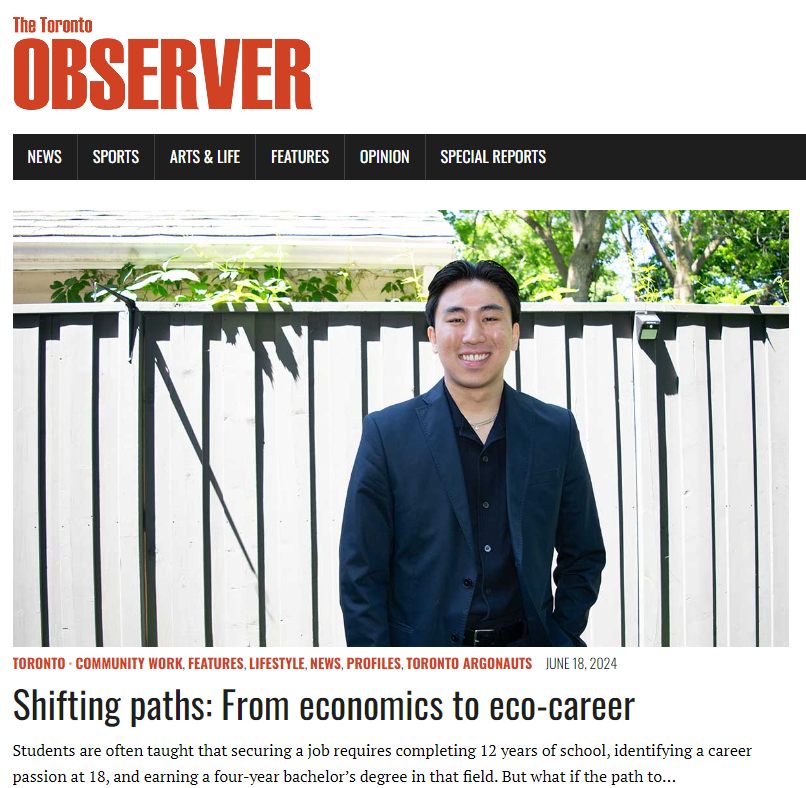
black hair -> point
(484, 271)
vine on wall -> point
(229, 283)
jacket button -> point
(454, 638)
(467, 583)
(486, 505)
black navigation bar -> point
(408, 157)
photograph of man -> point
(458, 498)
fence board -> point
(719, 486)
(178, 479)
(25, 467)
(282, 348)
(118, 472)
(593, 387)
(109, 417)
(511, 371)
(130, 496)
(648, 493)
(764, 482)
(543, 359)
(688, 456)
(771, 380)
(734, 516)
(233, 484)
(629, 554)
(390, 362)
(338, 375)
(429, 367)
(778, 358)
(68, 431)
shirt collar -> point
(459, 420)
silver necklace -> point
(482, 423)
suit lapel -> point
(435, 418)
(520, 440)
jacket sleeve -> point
(365, 551)
(580, 549)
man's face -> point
(473, 333)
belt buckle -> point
(477, 632)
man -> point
(459, 497)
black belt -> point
(493, 637)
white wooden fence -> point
(194, 496)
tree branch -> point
(656, 245)
(711, 247)
(695, 231)
(548, 239)
(577, 225)
(625, 231)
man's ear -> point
(432, 336)
(516, 335)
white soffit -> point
(103, 239)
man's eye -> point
(491, 319)
(455, 320)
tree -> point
(753, 259)
(552, 254)
(588, 228)
(692, 244)
(718, 256)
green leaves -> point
(333, 287)
(229, 283)
(179, 275)
(728, 256)
(743, 297)
(74, 290)
(406, 286)
(542, 287)
(555, 294)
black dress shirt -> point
(496, 595)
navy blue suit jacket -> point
(406, 549)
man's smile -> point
(474, 359)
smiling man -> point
(459, 498)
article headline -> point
(173, 706)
